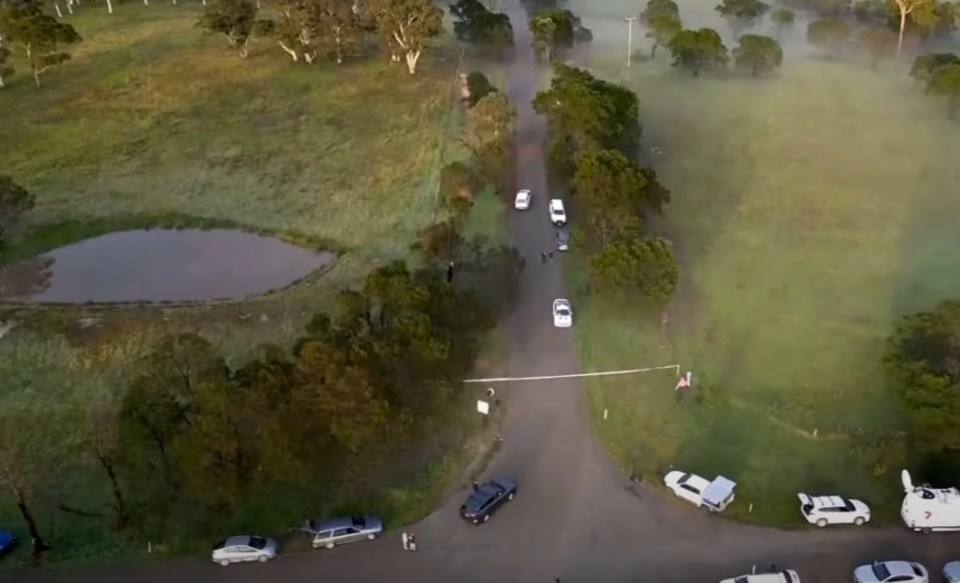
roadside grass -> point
(154, 123)
(809, 211)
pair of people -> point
(409, 542)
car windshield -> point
(563, 311)
(258, 542)
(881, 572)
(480, 497)
(359, 522)
(847, 505)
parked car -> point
(951, 572)
(891, 572)
(714, 496)
(522, 202)
(8, 541)
(242, 549)
(338, 531)
(562, 314)
(785, 576)
(563, 240)
(824, 510)
(487, 499)
(558, 216)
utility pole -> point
(629, 20)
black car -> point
(486, 499)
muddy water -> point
(160, 265)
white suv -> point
(824, 510)
(785, 576)
(522, 202)
(558, 216)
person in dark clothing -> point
(450, 273)
(476, 486)
(543, 258)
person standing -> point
(406, 541)
(412, 544)
(476, 485)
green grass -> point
(809, 212)
(153, 123)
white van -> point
(927, 509)
(785, 576)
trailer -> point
(926, 509)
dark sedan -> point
(486, 499)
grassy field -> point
(809, 212)
(154, 122)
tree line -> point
(306, 30)
(875, 26)
(594, 133)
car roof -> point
(827, 501)
(561, 302)
(899, 568)
(696, 481)
(335, 523)
(237, 540)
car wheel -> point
(486, 518)
(859, 520)
(329, 545)
(371, 536)
(510, 496)
(263, 558)
(224, 563)
(822, 522)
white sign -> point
(483, 407)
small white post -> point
(750, 509)
(629, 20)
(815, 432)
(605, 414)
(149, 547)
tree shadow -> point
(23, 280)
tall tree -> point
(103, 440)
(615, 195)
(758, 54)
(583, 113)
(300, 29)
(20, 445)
(234, 19)
(5, 69)
(41, 37)
(698, 50)
(543, 32)
(742, 13)
(662, 18)
(830, 34)
(14, 201)
(880, 44)
(490, 132)
(565, 32)
(339, 21)
(636, 268)
(905, 9)
(945, 82)
(783, 19)
(407, 26)
(475, 24)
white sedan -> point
(242, 549)
(562, 314)
(891, 572)
(688, 487)
(522, 202)
(824, 510)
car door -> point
(353, 534)
(690, 494)
(246, 553)
(341, 535)
(228, 553)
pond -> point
(160, 265)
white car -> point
(562, 314)
(891, 572)
(522, 202)
(951, 572)
(714, 496)
(785, 576)
(558, 216)
(242, 549)
(824, 510)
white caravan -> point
(927, 509)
